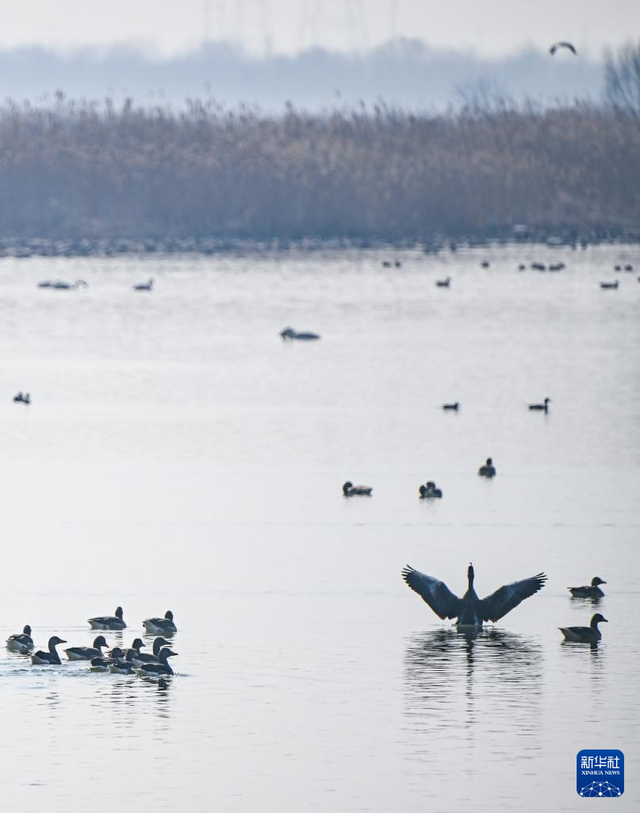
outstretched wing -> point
(436, 593)
(567, 45)
(506, 598)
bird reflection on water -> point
(456, 677)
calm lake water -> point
(178, 455)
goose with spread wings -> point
(470, 610)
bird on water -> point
(588, 590)
(488, 470)
(108, 622)
(21, 642)
(470, 610)
(349, 490)
(585, 635)
(50, 658)
(290, 333)
(160, 626)
(544, 407)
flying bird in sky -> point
(557, 45)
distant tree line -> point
(76, 169)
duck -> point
(290, 333)
(522, 267)
(430, 491)
(138, 658)
(617, 268)
(485, 264)
(455, 406)
(18, 398)
(488, 470)
(122, 665)
(21, 642)
(543, 407)
(160, 626)
(101, 664)
(61, 285)
(144, 286)
(470, 610)
(87, 653)
(585, 635)
(349, 490)
(588, 590)
(443, 283)
(538, 266)
(628, 267)
(50, 658)
(609, 285)
(160, 668)
(108, 622)
(26, 399)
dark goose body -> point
(21, 642)
(160, 668)
(50, 658)
(108, 622)
(87, 653)
(488, 470)
(588, 590)
(160, 626)
(470, 610)
(584, 635)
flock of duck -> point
(62, 285)
(117, 660)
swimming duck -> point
(87, 653)
(485, 264)
(19, 397)
(26, 399)
(539, 266)
(102, 664)
(138, 658)
(585, 635)
(349, 490)
(588, 590)
(443, 283)
(108, 622)
(488, 470)
(609, 285)
(430, 491)
(144, 286)
(160, 626)
(160, 668)
(21, 642)
(455, 406)
(628, 267)
(544, 407)
(471, 610)
(122, 665)
(290, 333)
(50, 658)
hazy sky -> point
(490, 27)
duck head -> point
(470, 575)
(596, 580)
(598, 618)
(137, 643)
(346, 488)
(489, 462)
(26, 629)
(118, 613)
(54, 641)
(287, 333)
(100, 642)
(169, 615)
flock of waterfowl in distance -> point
(119, 661)
(470, 611)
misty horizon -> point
(402, 72)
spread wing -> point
(506, 598)
(436, 593)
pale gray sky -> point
(489, 27)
